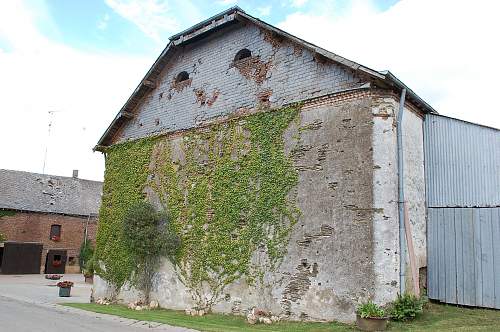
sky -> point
(73, 64)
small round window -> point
(182, 76)
(242, 54)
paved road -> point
(29, 303)
(20, 316)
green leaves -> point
(370, 310)
(406, 307)
(124, 180)
(226, 196)
(229, 197)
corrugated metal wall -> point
(464, 256)
(462, 168)
(462, 163)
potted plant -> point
(65, 288)
(371, 317)
(88, 271)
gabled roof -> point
(24, 191)
(231, 16)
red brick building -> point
(58, 212)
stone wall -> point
(277, 73)
(35, 227)
(328, 268)
(385, 186)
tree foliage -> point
(86, 253)
(149, 237)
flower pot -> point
(89, 279)
(64, 291)
(371, 323)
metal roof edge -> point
(206, 21)
(466, 121)
(388, 76)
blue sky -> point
(73, 63)
(99, 25)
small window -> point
(242, 54)
(182, 76)
(55, 232)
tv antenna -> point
(51, 114)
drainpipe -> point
(401, 195)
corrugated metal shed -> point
(462, 163)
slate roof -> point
(24, 191)
(232, 16)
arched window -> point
(182, 76)
(242, 54)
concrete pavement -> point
(29, 303)
(35, 288)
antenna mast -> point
(51, 113)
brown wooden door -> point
(56, 262)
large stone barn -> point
(277, 162)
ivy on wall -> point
(228, 191)
(124, 180)
(7, 213)
(228, 198)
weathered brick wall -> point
(35, 227)
(278, 73)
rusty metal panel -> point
(462, 163)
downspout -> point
(401, 195)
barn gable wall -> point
(278, 73)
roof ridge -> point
(48, 175)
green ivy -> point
(228, 191)
(228, 198)
(124, 180)
(7, 213)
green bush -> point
(370, 310)
(149, 236)
(406, 307)
(86, 254)
(2, 237)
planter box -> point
(371, 324)
(64, 291)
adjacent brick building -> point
(57, 211)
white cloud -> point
(446, 51)
(264, 11)
(151, 16)
(38, 76)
